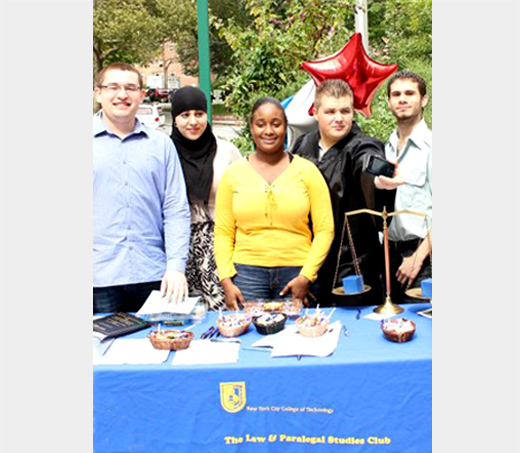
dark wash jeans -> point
(126, 298)
(259, 282)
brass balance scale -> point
(388, 308)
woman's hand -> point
(232, 294)
(299, 287)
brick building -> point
(166, 71)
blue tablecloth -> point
(369, 395)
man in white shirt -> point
(410, 145)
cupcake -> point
(233, 325)
(273, 307)
(254, 308)
(313, 325)
(170, 339)
(288, 307)
(398, 330)
(269, 323)
(293, 308)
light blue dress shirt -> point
(415, 165)
(141, 211)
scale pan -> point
(416, 293)
(340, 291)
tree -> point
(267, 54)
(284, 33)
(124, 30)
(257, 46)
(136, 31)
(402, 29)
(400, 32)
(179, 25)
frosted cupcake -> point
(234, 324)
(398, 330)
(170, 339)
(269, 323)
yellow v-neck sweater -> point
(261, 224)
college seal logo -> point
(233, 396)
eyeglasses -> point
(115, 88)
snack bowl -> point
(291, 308)
(274, 306)
(171, 339)
(398, 330)
(233, 325)
(312, 326)
(269, 323)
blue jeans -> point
(259, 282)
(126, 298)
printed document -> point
(157, 304)
(289, 342)
(207, 351)
(135, 351)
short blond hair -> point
(121, 66)
(335, 88)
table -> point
(369, 395)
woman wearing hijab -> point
(204, 158)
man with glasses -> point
(141, 212)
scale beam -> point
(388, 307)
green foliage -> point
(284, 33)
(268, 53)
(382, 123)
(179, 25)
(123, 30)
(401, 29)
(257, 46)
(134, 30)
(220, 109)
(244, 142)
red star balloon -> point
(352, 64)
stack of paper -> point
(378, 316)
(289, 342)
(156, 304)
(207, 352)
(131, 351)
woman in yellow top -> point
(264, 244)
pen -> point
(109, 346)
(211, 332)
(207, 333)
(214, 333)
(224, 340)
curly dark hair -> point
(409, 75)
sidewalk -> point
(228, 120)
